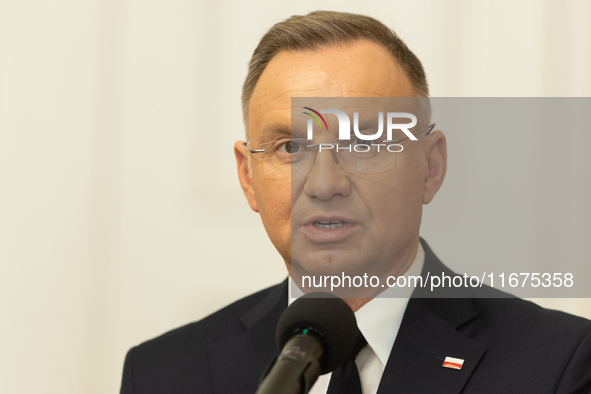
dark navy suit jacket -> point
(509, 346)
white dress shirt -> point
(379, 321)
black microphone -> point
(316, 334)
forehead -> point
(360, 69)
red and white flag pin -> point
(453, 363)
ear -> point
(435, 150)
(243, 176)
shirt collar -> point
(379, 320)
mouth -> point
(329, 224)
(329, 228)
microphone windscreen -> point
(326, 315)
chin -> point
(324, 263)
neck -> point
(397, 270)
(357, 303)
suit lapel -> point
(237, 362)
(428, 334)
(423, 342)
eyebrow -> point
(367, 125)
(274, 130)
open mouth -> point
(329, 224)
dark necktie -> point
(345, 379)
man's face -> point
(381, 211)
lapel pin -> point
(453, 363)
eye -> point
(359, 141)
(290, 147)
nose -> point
(327, 178)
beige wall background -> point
(116, 209)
